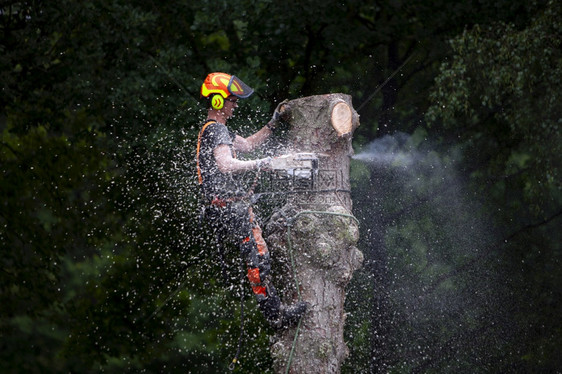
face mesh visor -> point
(239, 88)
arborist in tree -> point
(228, 208)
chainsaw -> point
(300, 165)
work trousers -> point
(235, 221)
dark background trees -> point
(105, 266)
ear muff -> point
(217, 102)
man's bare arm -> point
(228, 164)
(251, 142)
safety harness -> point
(218, 201)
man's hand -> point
(263, 164)
(277, 114)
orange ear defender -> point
(217, 102)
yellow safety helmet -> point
(219, 86)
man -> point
(227, 206)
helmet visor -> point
(238, 88)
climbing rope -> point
(289, 224)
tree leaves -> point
(494, 87)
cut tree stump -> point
(323, 243)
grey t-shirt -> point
(214, 182)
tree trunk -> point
(322, 244)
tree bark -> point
(322, 244)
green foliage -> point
(500, 92)
(498, 96)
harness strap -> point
(221, 203)
(199, 175)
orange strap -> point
(199, 176)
